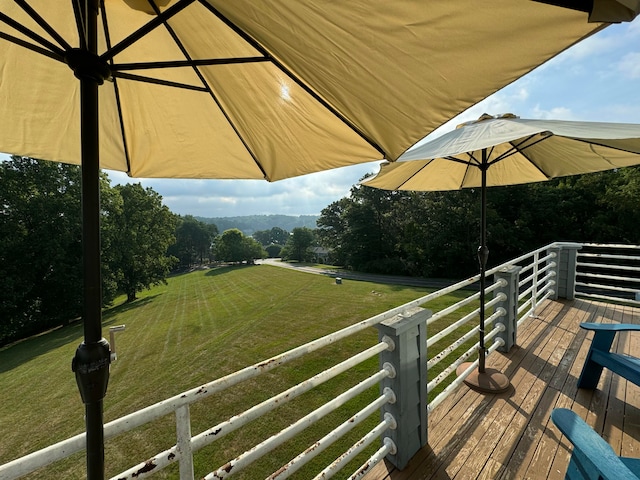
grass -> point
(199, 327)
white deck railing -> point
(609, 272)
(455, 343)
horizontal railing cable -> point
(464, 320)
(388, 423)
(460, 379)
(321, 445)
(207, 437)
(274, 441)
(465, 301)
(473, 349)
(387, 448)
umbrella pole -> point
(484, 380)
(483, 255)
(93, 356)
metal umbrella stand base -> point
(489, 381)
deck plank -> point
(510, 436)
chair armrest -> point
(589, 449)
(610, 327)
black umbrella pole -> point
(93, 356)
(91, 363)
(483, 255)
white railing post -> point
(408, 332)
(183, 443)
(534, 282)
(566, 261)
(509, 279)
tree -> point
(273, 251)
(332, 226)
(41, 249)
(275, 236)
(234, 246)
(297, 247)
(193, 240)
(363, 230)
(142, 231)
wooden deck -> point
(510, 436)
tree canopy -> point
(193, 241)
(40, 252)
(436, 234)
(298, 244)
(41, 249)
(233, 246)
(274, 236)
(144, 230)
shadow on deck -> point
(510, 436)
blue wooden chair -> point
(600, 355)
(592, 457)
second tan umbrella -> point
(508, 150)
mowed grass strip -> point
(201, 326)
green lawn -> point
(199, 327)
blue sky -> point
(596, 80)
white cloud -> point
(305, 195)
(555, 113)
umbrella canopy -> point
(507, 150)
(244, 89)
(518, 151)
(602, 10)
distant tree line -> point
(251, 224)
(436, 234)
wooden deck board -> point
(510, 436)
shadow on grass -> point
(26, 350)
(125, 307)
(226, 269)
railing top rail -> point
(521, 258)
(611, 245)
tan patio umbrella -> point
(508, 150)
(245, 89)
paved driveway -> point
(367, 277)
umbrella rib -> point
(518, 148)
(186, 63)
(80, 23)
(207, 88)
(293, 77)
(46, 44)
(160, 19)
(464, 162)
(593, 143)
(116, 89)
(45, 26)
(32, 47)
(166, 83)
